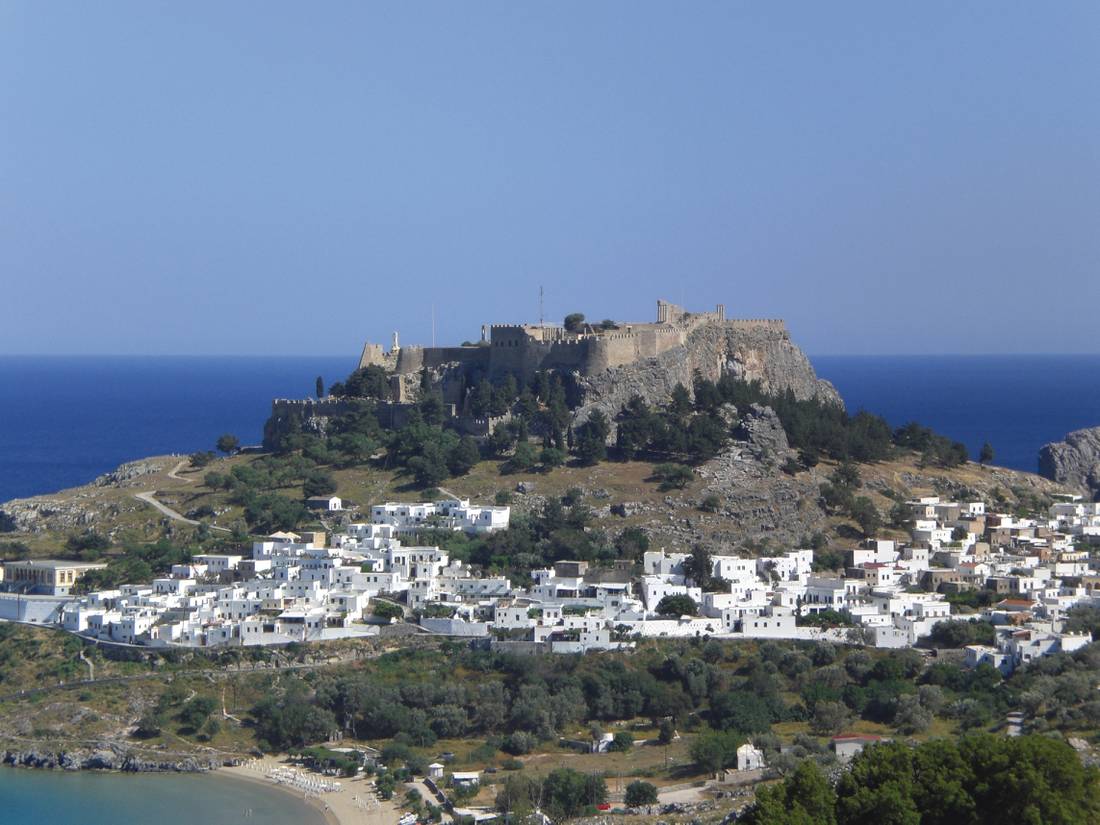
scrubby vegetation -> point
(979, 779)
(691, 427)
(725, 692)
(138, 562)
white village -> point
(313, 586)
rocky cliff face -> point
(107, 757)
(764, 355)
(1074, 462)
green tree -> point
(699, 567)
(960, 633)
(804, 798)
(901, 516)
(679, 404)
(268, 512)
(197, 711)
(591, 438)
(740, 711)
(632, 543)
(386, 610)
(319, 483)
(319, 385)
(829, 718)
(639, 793)
(149, 725)
(464, 456)
(985, 455)
(623, 742)
(846, 475)
(228, 444)
(574, 321)
(911, 716)
(201, 458)
(480, 399)
(216, 481)
(211, 728)
(866, 515)
(369, 382)
(551, 457)
(291, 720)
(677, 604)
(87, 545)
(566, 793)
(523, 458)
(518, 796)
(713, 750)
(673, 476)
(429, 470)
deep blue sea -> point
(64, 420)
(1015, 402)
(84, 798)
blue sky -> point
(294, 178)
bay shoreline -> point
(353, 804)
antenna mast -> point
(433, 326)
(540, 307)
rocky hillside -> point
(1074, 462)
(713, 350)
(741, 499)
(108, 503)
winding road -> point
(149, 498)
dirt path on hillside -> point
(148, 498)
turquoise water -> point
(86, 798)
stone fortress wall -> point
(523, 349)
(646, 359)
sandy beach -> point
(353, 804)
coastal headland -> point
(731, 576)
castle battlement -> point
(524, 349)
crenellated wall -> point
(522, 350)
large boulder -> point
(767, 440)
(1074, 462)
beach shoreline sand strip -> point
(353, 804)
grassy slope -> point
(61, 716)
(117, 512)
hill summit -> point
(610, 361)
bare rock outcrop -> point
(108, 756)
(124, 473)
(764, 435)
(764, 354)
(84, 508)
(755, 500)
(1074, 462)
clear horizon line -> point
(353, 356)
